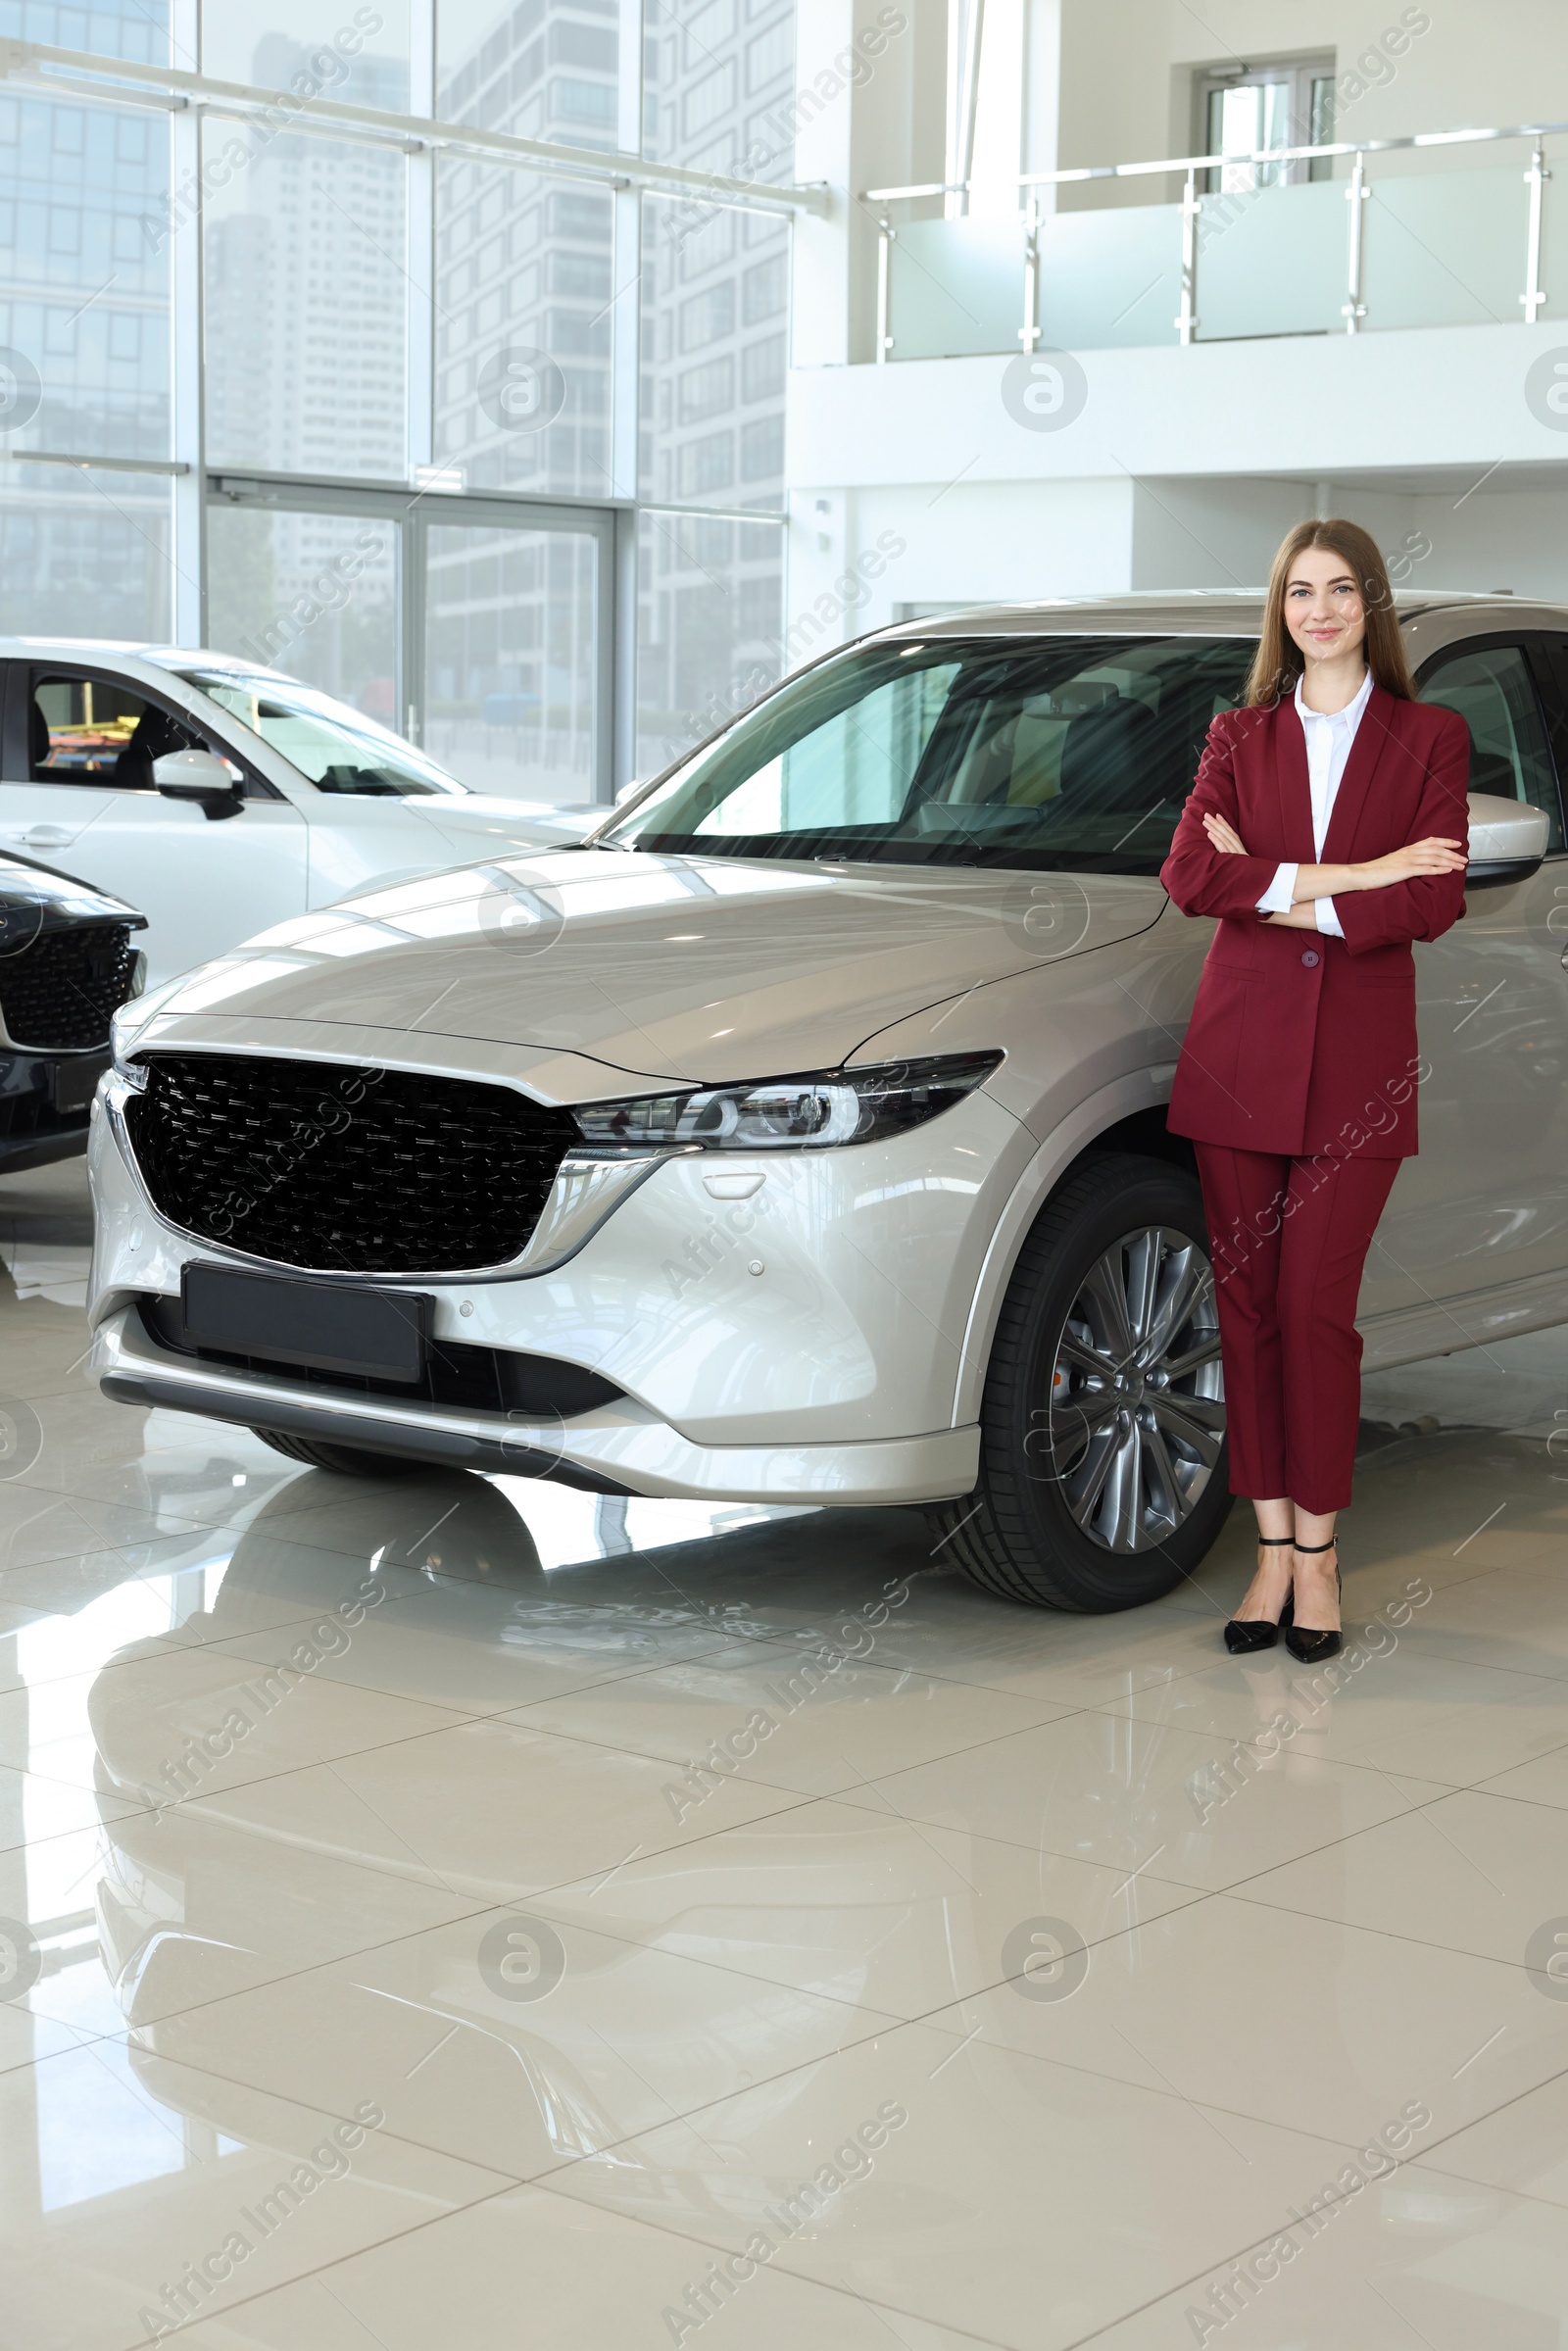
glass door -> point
(1247, 110)
(314, 594)
(513, 658)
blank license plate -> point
(76, 1080)
(380, 1334)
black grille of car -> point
(58, 994)
(331, 1165)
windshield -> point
(336, 748)
(1071, 752)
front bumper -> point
(32, 1130)
(784, 1328)
(620, 1448)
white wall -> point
(1181, 467)
(1127, 67)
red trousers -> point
(1288, 1238)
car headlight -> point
(123, 1034)
(821, 1111)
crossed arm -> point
(1415, 862)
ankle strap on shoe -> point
(1307, 1548)
(1270, 1542)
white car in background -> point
(219, 798)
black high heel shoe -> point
(1246, 1634)
(1306, 1645)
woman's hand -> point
(1410, 865)
(1223, 836)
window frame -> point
(23, 678)
(1301, 71)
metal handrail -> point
(1212, 163)
(601, 166)
(1357, 193)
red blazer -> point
(1300, 1043)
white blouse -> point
(1329, 737)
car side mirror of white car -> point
(201, 776)
(1507, 839)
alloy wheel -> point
(1134, 1417)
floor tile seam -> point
(1484, 1787)
(28, 1484)
(169, 1641)
(317, 1763)
(1163, 2091)
(506, 1706)
(1108, 1708)
(228, 2310)
(825, 2285)
(1485, 1665)
(1491, 2188)
(815, 1992)
(880, 2029)
(291, 1975)
(1003, 1690)
(994, 1836)
(887, 2019)
(87, 2036)
(1156, 2089)
(1258, 2244)
(1392, 1935)
(94, 1827)
(384, 2132)
(404, 1875)
(752, 1780)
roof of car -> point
(167, 656)
(1174, 612)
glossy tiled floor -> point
(469, 1915)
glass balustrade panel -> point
(1446, 248)
(1272, 260)
(1110, 278)
(956, 287)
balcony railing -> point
(1462, 246)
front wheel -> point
(1102, 1463)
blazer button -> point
(1310, 958)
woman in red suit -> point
(1326, 830)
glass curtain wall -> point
(719, 95)
(377, 313)
(84, 275)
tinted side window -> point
(1491, 686)
(83, 729)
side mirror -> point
(201, 776)
(1507, 839)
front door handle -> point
(48, 836)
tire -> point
(347, 1460)
(1095, 1496)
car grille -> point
(336, 1167)
(58, 994)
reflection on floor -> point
(462, 1913)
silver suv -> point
(802, 1136)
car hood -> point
(478, 819)
(35, 896)
(695, 968)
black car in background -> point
(68, 963)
